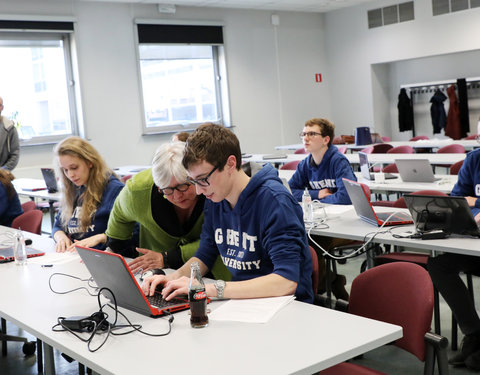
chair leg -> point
(436, 353)
(328, 285)
(4, 342)
(436, 311)
(39, 356)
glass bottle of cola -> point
(197, 297)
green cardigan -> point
(133, 205)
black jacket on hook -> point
(405, 112)
(463, 106)
(437, 111)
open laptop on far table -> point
(365, 168)
(364, 209)
(110, 271)
(50, 179)
(450, 214)
(415, 170)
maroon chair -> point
(401, 294)
(471, 137)
(386, 139)
(381, 148)
(291, 165)
(28, 206)
(30, 221)
(301, 151)
(342, 150)
(390, 168)
(401, 150)
(124, 179)
(451, 149)
(338, 141)
(455, 168)
(367, 150)
(419, 138)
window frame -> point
(42, 31)
(219, 67)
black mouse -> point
(158, 271)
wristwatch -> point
(220, 286)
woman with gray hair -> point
(168, 211)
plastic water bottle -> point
(19, 251)
(307, 206)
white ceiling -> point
(273, 5)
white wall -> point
(352, 49)
(270, 71)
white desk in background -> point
(469, 144)
(130, 169)
(186, 349)
(378, 159)
(348, 225)
(36, 188)
(445, 184)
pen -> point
(47, 265)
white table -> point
(21, 184)
(130, 169)
(290, 343)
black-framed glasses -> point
(309, 134)
(202, 181)
(180, 187)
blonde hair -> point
(167, 163)
(97, 180)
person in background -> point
(168, 210)
(182, 137)
(254, 224)
(321, 172)
(89, 190)
(445, 270)
(9, 144)
(10, 206)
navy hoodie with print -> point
(328, 174)
(468, 184)
(264, 233)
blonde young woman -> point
(89, 190)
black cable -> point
(71, 290)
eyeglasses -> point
(202, 181)
(309, 134)
(170, 190)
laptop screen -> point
(364, 168)
(450, 214)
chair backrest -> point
(386, 139)
(367, 150)
(390, 168)
(401, 150)
(338, 140)
(455, 168)
(381, 148)
(400, 202)
(125, 178)
(399, 293)
(471, 137)
(30, 221)
(291, 165)
(28, 206)
(315, 270)
(301, 151)
(451, 149)
(419, 138)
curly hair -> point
(97, 180)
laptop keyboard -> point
(158, 301)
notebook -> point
(110, 271)
(274, 156)
(365, 168)
(364, 209)
(450, 214)
(415, 170)
(6, 253)
(50, 179)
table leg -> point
(52, 213)
(49, 360)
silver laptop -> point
(363, 207)
(415, 170)
(365, 168)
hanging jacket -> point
(463, 107)
(452, 129)
(437, 111)
(405, 112)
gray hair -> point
(167, 163)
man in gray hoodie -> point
(9, 144)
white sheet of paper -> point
(255, 310)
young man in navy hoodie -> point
(254, 223)
(445, 270)
(322, 172)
